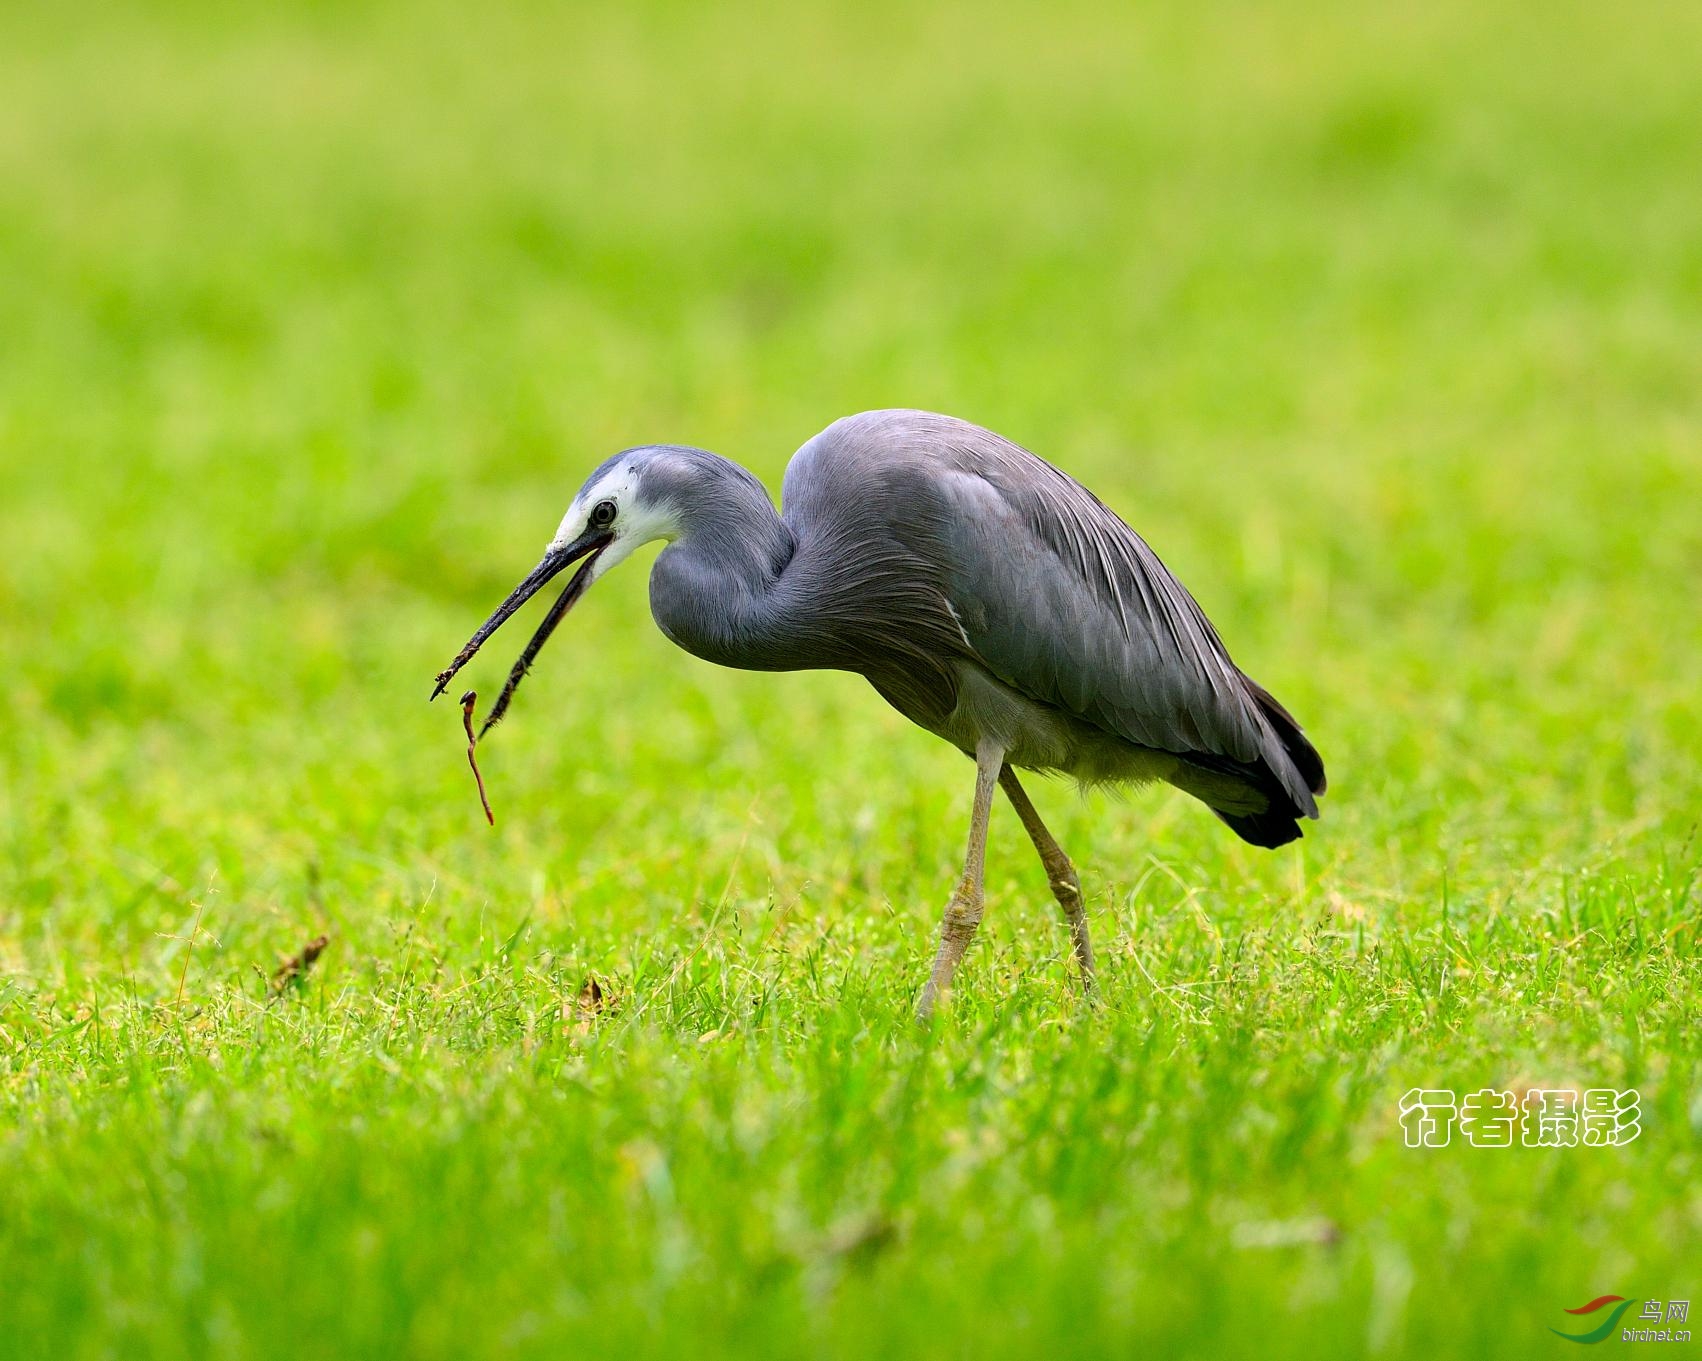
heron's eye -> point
(603, 514)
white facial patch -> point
(636, 522)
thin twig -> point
(468, 700)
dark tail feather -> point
(1300, 751)
(1272, 828)
(1279, 823)
(1276, 824)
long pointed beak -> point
(588, 545)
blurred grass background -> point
(1382, 327)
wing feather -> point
(1064, 602)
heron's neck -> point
(714, 590)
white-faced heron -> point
(988, 597)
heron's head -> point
(631, 500)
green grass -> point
(1383, 329)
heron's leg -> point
(1066, 888)
(963, 914)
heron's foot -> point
(957, 929)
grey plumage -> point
(988, 596)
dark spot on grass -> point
(294, 967)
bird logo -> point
(1605, 1330)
